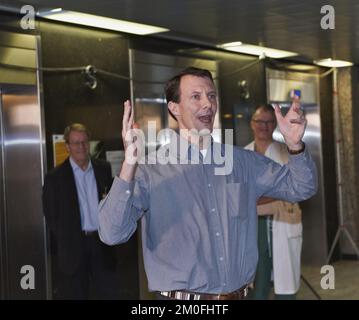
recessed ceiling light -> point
(333, 63)
(257, 50)
(100, 22)
(301, 67)
(55, 10)
(231, 44)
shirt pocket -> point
(237, 199)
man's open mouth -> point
(205, 119)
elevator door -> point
(22, 233)
(279, 85)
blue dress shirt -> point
(87, 195)
(199, 229)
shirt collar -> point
(180, 147)
(76, 167)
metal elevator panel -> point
(23, 237)
(3, 251)
(23, 255)
(18, 58)
(279, 85)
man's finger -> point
(127, 108)
(296, 104)
(277, 111)
(296, 99)
(299, 121)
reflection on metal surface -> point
(151, 100)
(281, 90)
(17, 50)
(22, 113)
(279, 85)
(22, 234)
(22, 186)
(16, 40)
(21, 142)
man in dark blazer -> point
(83, 266)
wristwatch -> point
(293, 152)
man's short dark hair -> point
(172, 88)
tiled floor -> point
(346, 282)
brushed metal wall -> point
(23, 254)
(279, 85)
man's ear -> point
(67, 147)
(174, 108)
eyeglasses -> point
(79, 143)
(262, 122)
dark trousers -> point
(262, 282)
(96, 277)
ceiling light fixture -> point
(330, 63)
(256, 50)
(100, 22)
(301, 67)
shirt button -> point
(209, 185)
(213, 210)
(218, 234)
(224, 284)
(221, 259)
(128, 191)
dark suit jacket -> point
(62, 212)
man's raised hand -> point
(292, 126)
(131, 143)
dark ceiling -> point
(292, 25)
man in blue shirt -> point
(71, 195)
(199, 224)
